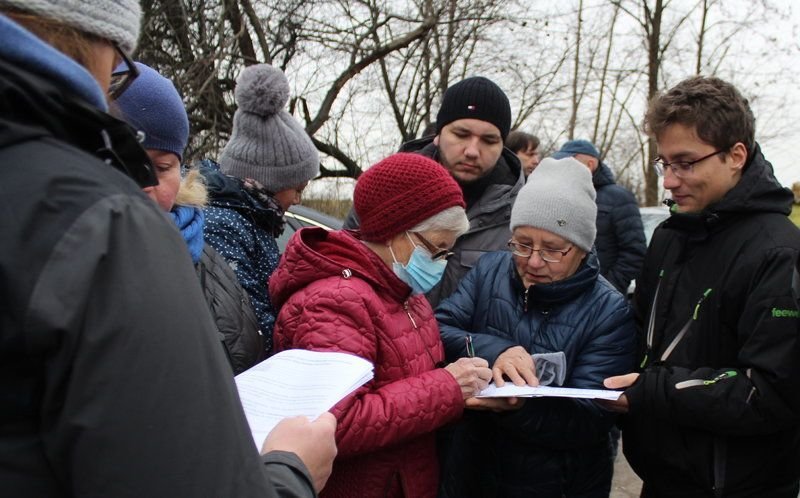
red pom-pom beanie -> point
(400, 192)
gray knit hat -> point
(115, 20)
(267, 143)
(559, 197)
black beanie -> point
(475, 98)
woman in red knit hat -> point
(361, 292)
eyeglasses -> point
(121, 80)
(681, 168)
(547, 255)
(437, 253)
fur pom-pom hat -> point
(267, 144)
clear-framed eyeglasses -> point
(122, 79)
(547, 255)
(681, 169)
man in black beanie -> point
(472, 124)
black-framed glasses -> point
(122, 79)
(547, 255)
(437, 253)
(682, 168)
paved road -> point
(625, 484)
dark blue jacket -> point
(241, 228)
(551, 443)
(620, 236)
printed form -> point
(297, 382)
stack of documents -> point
(297, 382)
(510, 390)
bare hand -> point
(313, 442)
(495, 404)
(518, 365)
(472, 375)
(619, 382)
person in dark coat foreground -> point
(113, 380)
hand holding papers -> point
(297, 382)
(509, 390)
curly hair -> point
(720, 114)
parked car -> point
(301, 216)
(651, 217)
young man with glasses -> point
(714, 409)
(516, 309)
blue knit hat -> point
(572, 147)
(153, 106)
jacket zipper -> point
(525, 300)
(678, 338)
(436, 364)
(651, 324)
(408, 312)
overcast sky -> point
(782, 152)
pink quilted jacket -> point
(335, 294)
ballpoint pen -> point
(470, 347)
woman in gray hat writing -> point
(540, 311)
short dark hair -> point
(519, 141)
(720, 114)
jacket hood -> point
(314, 253)
(602, 176)
(758, 191)
(229, 192)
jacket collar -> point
(228, 192)
(602, 175)
(548, 295)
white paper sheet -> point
(510, 390)
(297, 382)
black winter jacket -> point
(111, 378)
(237, 326)
(716, 410)
(620, 239)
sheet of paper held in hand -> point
(297, 382)
(510, 390)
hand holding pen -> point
(472, 374)
(470, 346)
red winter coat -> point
(335, 294)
